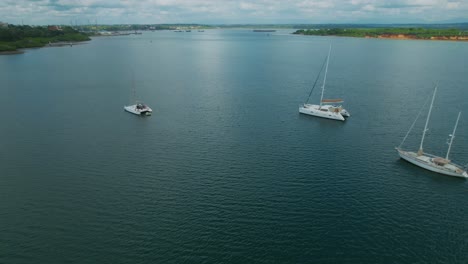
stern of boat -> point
(345, 113)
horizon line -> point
(258, 24)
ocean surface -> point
(226, 170)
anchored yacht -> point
(432, 162)
(327, 108)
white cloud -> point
(229, 11)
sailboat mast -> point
(133, 88)
(325, 77)
(420, 151)
(316, 80)
(452, 136)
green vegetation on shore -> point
(15, 37)
(404, 33)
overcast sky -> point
(232, 12)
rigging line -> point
(318, 76)
(133, 88)
(417, 117)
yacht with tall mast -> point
(327, 107)
(431, 162)
(139, 108)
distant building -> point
(3, 24)
(54, 28)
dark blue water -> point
(226, 170)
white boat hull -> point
(324, 111)
(141, 112)
(345, 113)
(425, 161)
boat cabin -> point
(440, 161)
(140, 106)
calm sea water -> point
(226, 170)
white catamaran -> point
(326, 108)
(432, 162)
(138, 108)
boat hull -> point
(323, 111)
(425, 161)
(345, 113)
(141, 112)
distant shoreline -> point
(408, 37)
(264, 30)
(64, 43)
(50, 45)
(390, 33)
(11, 52)
(398, 37)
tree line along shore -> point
(14, 37)
(390, 33)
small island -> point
(15, 37)
(390, 33)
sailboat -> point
(327, 107)
(431, 162)
(139, 108)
